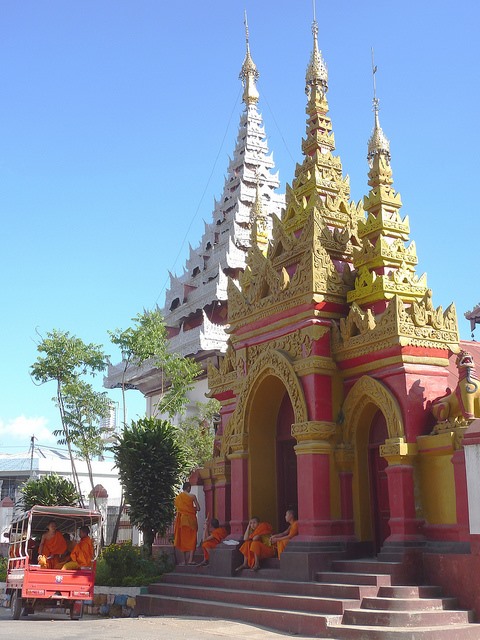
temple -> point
(336, 385)
(196, 302)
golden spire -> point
(385, 266)
(378, 143)
(317, 74)
(249, 73)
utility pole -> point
(32, 449)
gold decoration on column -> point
(314, 436)
(396, 451)
(344, 458)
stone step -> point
(352, 591)
(334, 577)
(255, 598)
(250, 581)
(370, 617)
(409, 604)
(399, 572)
(293, 622)
(457, 632)
(410, 591)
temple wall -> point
(437, 482)
(457, 574)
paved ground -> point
(59, 627)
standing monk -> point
(52, 546)
(282, 539)
(257, 544)
(185, 527)
(211, 539)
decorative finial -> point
(249, 73)
(317, 74)
(378, 142)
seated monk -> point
(211, 539)
(82, 554)
(52, 546)
(280, 540)
(65, 557)
(257, 545)
(185, 525)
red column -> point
(346, 503)
(313, 477)
(207, 490)
(404, 525)
(239, 493)
(461, 494)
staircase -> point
(358, 600)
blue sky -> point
(117, 116)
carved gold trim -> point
(284, 323)
(396, 451)
(344, 458)
(376, 365)
(315, 364)
(314, 430)
(370, 391)
(312, 447)
(362, 333)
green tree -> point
(146, 341)
(151, 465)
(63, 359)
(51, 490)
(196, 434)
(84, 408)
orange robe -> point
(83, 552)
(54, 546)
(292, 532)
(218, 535)
(185, 527)
(262, 548)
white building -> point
(196, 302)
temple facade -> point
(334, 383)
(195, 309)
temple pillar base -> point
(303, 559)
(224, 559)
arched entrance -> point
(272, 468)
(286, 462)
(372, 415)
(379, 499)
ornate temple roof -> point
(193, 299)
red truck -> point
(33, 588)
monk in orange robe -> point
(211, 539)
(52, 546)
(185, 526)
(257, 545)
(280, 540)
(83, 553)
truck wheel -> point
(16, 605)
(76, 610)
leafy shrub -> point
(50, 490)
(124, 565)
(3, 569)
